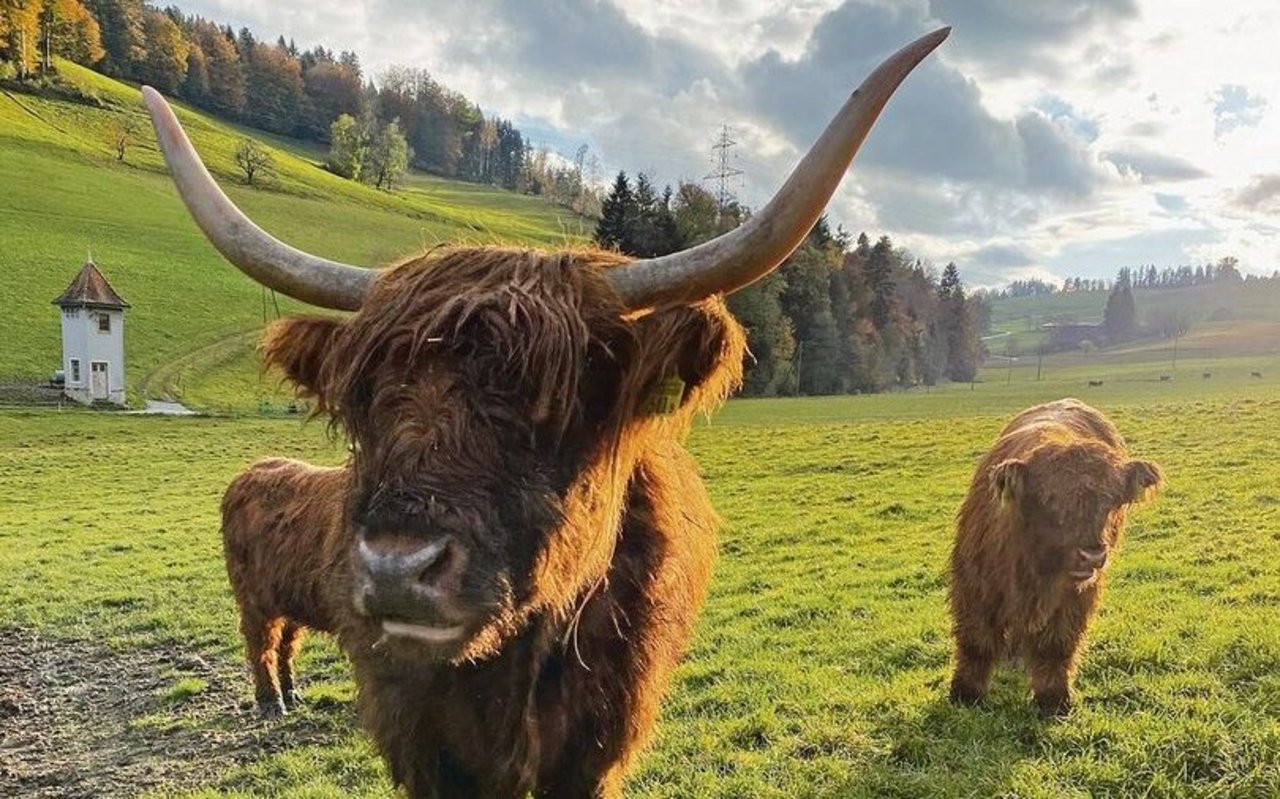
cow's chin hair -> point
(1080, 585)
(479, 644)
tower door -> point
(98, 385)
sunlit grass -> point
(820, 661)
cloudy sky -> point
(1050, 138)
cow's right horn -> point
(268, 260)
(743, 256)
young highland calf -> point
(275, 519)
(1044, 513)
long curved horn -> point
(748, 253)
(268, 260)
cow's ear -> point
(1142, 479)
(1008, 480)
(299, 346)
(690, 356)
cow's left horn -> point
(262, 257)
(748, 253)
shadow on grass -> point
(944, 750)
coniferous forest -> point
(841, 316)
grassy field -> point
(820, 662)
(1217, 308)
(62, 193)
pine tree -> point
(957, 327)
(617, 215)
(806, 301)
(880, 282)
(1120, 317)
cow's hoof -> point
(1053, 706)
(271, 710)
(292, 699)
(964, 695)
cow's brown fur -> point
(1058, 479)
(506, 396)
(281, 521)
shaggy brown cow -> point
(280, 534)
(527, 541)
(1044, 513)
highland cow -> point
(526, 541)
(1034, 537)
(281, 534)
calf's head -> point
(496, 400)
(1070, 499)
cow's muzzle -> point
(1088, 562)
(412, 588)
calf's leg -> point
(290, 643)
(1052, 656)
(977, 650)
(262, 645)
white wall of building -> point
(83, 341)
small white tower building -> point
(92, 338)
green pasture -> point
(63, 194)
(821, 659)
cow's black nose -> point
(1093, 558)
(407, 578)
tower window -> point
(104, 323)
(75, 370)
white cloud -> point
(1077, 135)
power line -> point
(723, 171)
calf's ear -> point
(299, 346)
(1142, 478)
(1008, 480)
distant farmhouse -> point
(92, 338)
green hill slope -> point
(62, 193)
(1232, 315)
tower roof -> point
(90, 289)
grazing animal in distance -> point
(1095, 383)
(1165, 378)
(1257, 375)
(1042, 519)
(527, 542)
(1206, 375)
(280, 518)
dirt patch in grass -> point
(78, 719)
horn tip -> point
(937, 37)
(153, 99)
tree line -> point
(279, 88)
(839, 317)
(1226, 270)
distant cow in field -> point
(1206, 375)
(1044, 513)
(1165, 378)
(279, 520)
(1258, 375)
(1095, 383)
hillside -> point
(64, 193)
(1225, 317)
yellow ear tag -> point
(667, 397)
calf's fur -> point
(1059, 479)
(282, 536)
